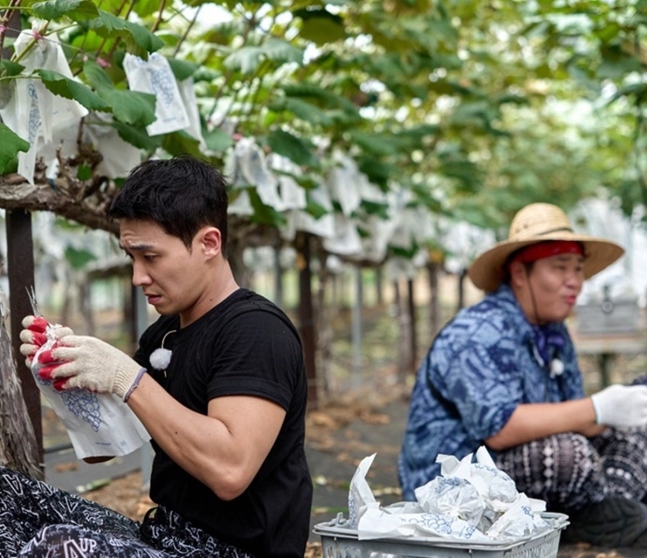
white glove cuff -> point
(596, 408)
(127, 381)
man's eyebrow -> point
(136, 247)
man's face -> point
(171, 276)
(555, 283)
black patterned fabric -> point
(40, 521)
(570, 471)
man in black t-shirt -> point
(218, 381)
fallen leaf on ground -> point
(144, 504)
(313, 550)
(66, 467)
(319, 418)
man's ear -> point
(210, 241)
(518, 273)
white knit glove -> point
(89, 363)
(36, 333)
(621, 406)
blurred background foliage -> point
(475, 108)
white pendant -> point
(161, 358)
(556, 367)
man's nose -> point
(575, 279)
(140, 276)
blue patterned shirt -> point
(482, 365)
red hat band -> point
(547, 249)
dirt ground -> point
(339, 435)
(357, 423)
(334, 447)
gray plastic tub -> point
(339, 541)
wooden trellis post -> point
(20, 268)
(20, 265)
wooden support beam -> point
(306, 325)
(20, 265)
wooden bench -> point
(608, 327)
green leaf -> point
(315, 209)
(248, 58)
(78, 259)
(143, 37)
(107, 21)
(319, 25)
(72, 89)
(302, 109)
(373, 143)
(637, 89)
(137, 136)
(109, 25)
(324, 96)
(425, 195)
(84, 172)
(10, 145)
(77, 10)
(290, 146)
(13, 68)
(377, 171)
(231, 4)
(180, 142)
(419, 132)
(264, 214)
(144, 8)
(380, 209)
(306, 180)
(217, 140)
(617, 68)
(206, 74)
(512, 98)
(245, 59)
(465, 171)
(96, 76)
(182, 69)
(130, 107)
(407, 253)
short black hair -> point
(181, 194)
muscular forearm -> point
(538, 420)
(178, 431)
(222, 454)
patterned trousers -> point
(41, 521)
(569, 471)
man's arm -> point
(224, 449)
(616, 405)
(532, 421)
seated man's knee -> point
(65, 538)
(575, 458)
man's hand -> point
(89, 363)
(35, 335)
(621, 406)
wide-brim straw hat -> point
(539, 222)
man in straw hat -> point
(504, 374)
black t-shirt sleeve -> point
(258, 354)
